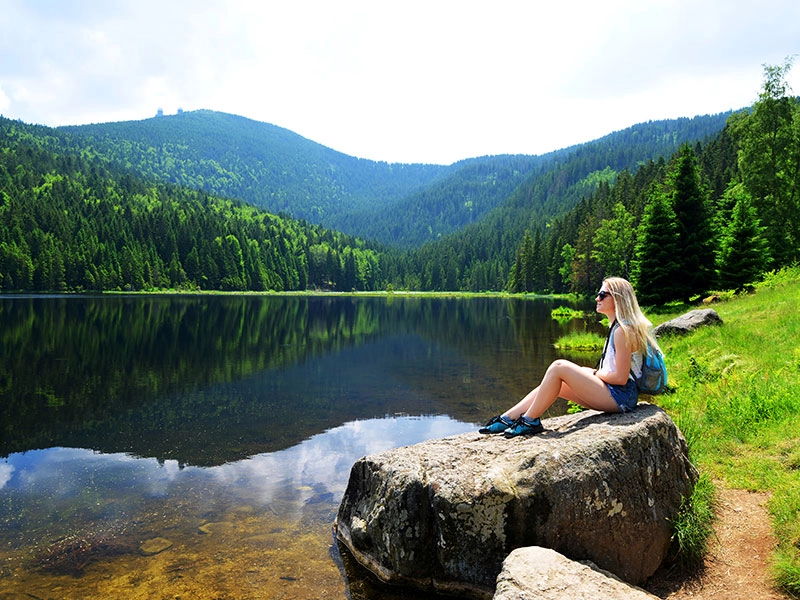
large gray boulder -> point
(444, 514)
(688, 322)
(544, 574)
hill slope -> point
(76, 223)
(396, 204)
(262, 164)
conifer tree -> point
(657, 269)
(349, 279)
(537, 263)
(586, 273)
(743, 250)
(689, 199)
(521, 276)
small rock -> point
(541, 573)
(154, 546)
(688, 322)
(215, 527)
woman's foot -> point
(497, 424)
(524, 426)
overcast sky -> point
(430, 81)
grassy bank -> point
(737, 401)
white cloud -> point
(5, 101)
(320, 464)
(411, 81)
(6, 471)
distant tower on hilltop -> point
(160, 112)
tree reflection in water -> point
(228, 425)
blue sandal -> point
(524, 426)
(496, 424)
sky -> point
(411, 81)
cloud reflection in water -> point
(70, 481)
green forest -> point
(680, 207)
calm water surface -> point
(198, 446)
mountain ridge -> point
(396, 204)
(266, 165)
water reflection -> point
(207, 380)
(226, 426)
(81, 495)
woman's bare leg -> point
(565, 379)
(521, 407)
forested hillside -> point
(713, 216)
(481, 255)
(281, 172)
(475, 188)
(394, 204)
(512, 193)
(262, 164)
(680, 207)
(71, 223)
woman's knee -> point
(560, 365)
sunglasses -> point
(602, 294)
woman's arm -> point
(623, 361)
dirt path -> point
(736, 567)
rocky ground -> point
(737, 565)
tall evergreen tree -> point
(520, 278)
(586, 272)
(689, 200)
(538, 264)
(743, 249)
(657, 269)
(349, 279)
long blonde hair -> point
(637, 328)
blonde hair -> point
(637, 328)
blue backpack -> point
(654, 373)
(653, 379)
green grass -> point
(736, 399)
(580, 341)
(565, 313)
(694, 525)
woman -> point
(609, 388)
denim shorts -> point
(626, 396)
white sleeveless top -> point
(609, 360)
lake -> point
(198, 446)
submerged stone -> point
(155, 546)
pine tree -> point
(521, 277)
(349, 279)
(586, 273)
(657, 269)
(689, 200)
(743, 251)
(537, 263)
